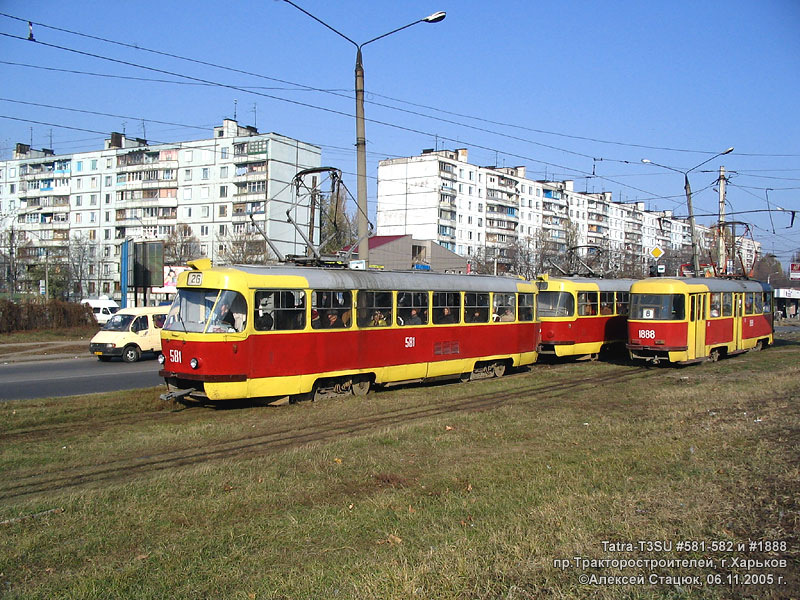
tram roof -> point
(603, 285)
(714, 284)
(321, 278)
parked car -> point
(129, 333)
(102, 307)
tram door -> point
(697, 325)
(738, 314)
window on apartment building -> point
(223, 191)
(480, 222)
(93, 217)
(93, 164)
(223, 153)
(223, 210)
(187, 174)
(108, 163)
(205, 173)
(79, 166)
(187, 211)
(77, 218)
(222, 229)
(78, 183)
(204, 193)
(92, 199)
(480, 207)
(223, 172)
(92, 234)
(12, 188)
(78, 200)
(204, 211)
(204, 230)
(107, 235)
(107, 180)
(188, 156)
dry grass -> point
(403, 495)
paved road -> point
(75, 376)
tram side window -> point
(748, 303)
(374, 309)
(280, 310)
(587, 303)
(716, 303)
(476, 307)
(331, 309)
(758, 303)
(767, 302)
(727, 304)
(446, 308)
(505, 307)
(623, 302)
(606, 303)
(525, 308)
(412, 308)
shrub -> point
(53, 314)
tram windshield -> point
(556, 304)
(209, 311)
(658, 307)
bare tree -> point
(80, 258)
(243, 246)
(181, 246)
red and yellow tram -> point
(256, 331)
(689, 320)
(581, 315)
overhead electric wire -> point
(296, 86)
(299, 86)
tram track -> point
(120, 470)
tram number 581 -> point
(411, 342)
(175, 356)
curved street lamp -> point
(688, 189)
(361, 140)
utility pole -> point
(722, 255)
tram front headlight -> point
(161, 359)
(194, 363)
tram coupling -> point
(176, 394)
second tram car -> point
(582, 316)
(692, 320)
(304, 332)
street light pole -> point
(361, 137)
(688, 190)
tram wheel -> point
(499, 369)
(360, 386)
(759, 346)
(714, 355)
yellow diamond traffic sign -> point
(656, 252)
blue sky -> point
(571, 89)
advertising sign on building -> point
(794, 271)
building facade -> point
(496, 213)
(81, 207)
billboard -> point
(170, 280)
(794, 271)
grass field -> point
(445, 491)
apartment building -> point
(131, 190)
(485, 212)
